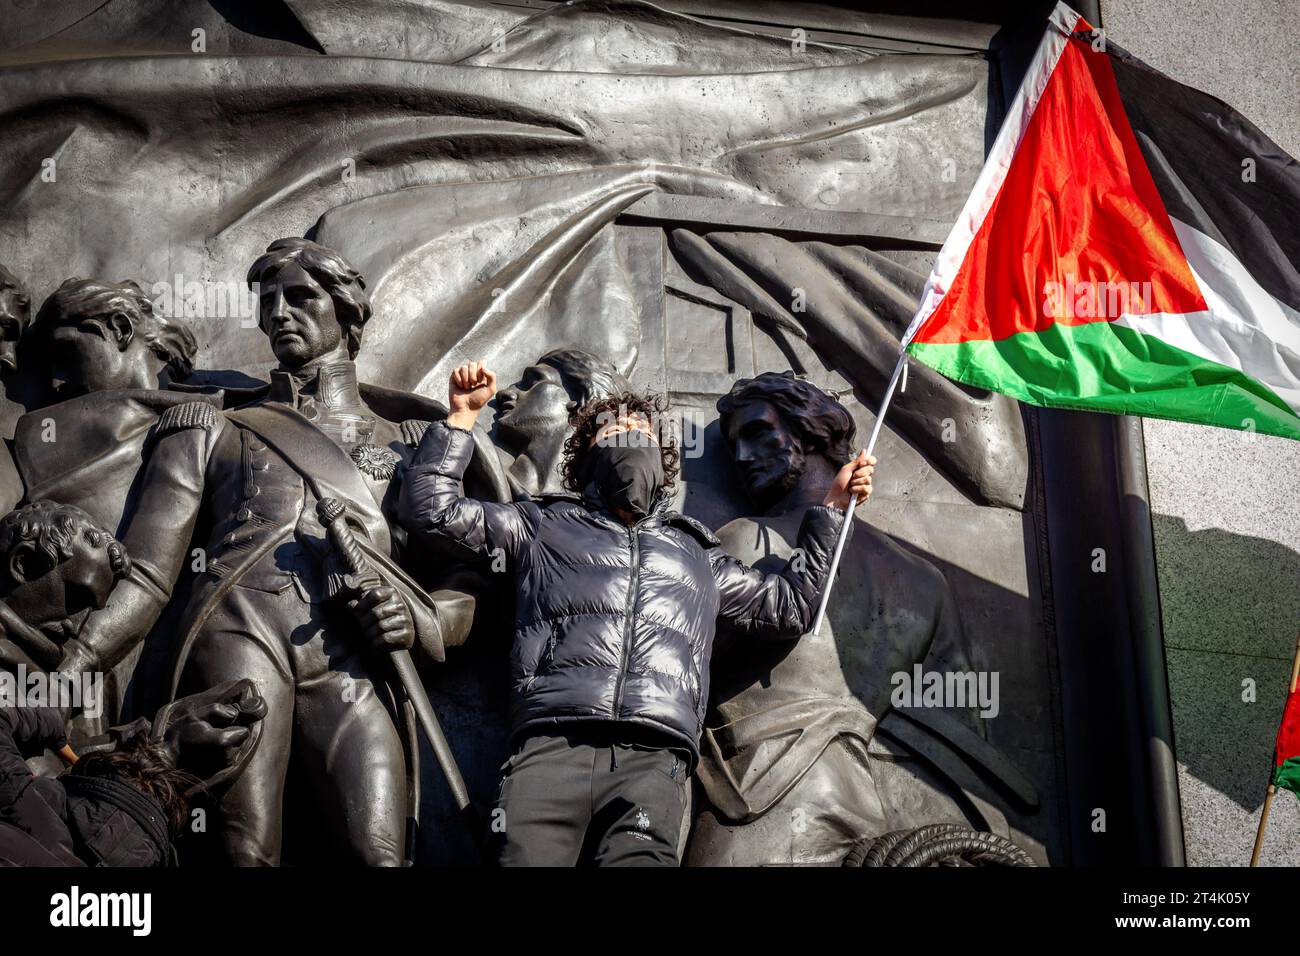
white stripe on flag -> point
(1245, 327)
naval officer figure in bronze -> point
(246, 481)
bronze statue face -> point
(91, 353)
(535, 406)
(46, 596)
(298, 316)
(105, 335)
(13, 320)
(768, 455)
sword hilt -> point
(332, 514)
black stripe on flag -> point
(1194, 145)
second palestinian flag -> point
(1131, 246)
(1286, 752)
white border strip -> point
(1060, 25)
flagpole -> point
(1263, 821)
(1272, 788)
(848, 509)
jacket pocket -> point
(672, 764)
(697, 682)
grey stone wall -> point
(1226, 505)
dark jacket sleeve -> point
(33, 805)
(431, 507)
(779, 606)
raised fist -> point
(471, 387)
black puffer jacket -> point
(69, 820)
(612, 622)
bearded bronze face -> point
(768, 455)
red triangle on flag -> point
(1077, 207)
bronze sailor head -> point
(107, 335)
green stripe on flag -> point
(1104, 367)
(1287, 775)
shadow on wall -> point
(1231, 609)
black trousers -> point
(589, 799)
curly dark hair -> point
(148, 766)
(594, 415)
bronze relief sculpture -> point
(592, 221)
(246, 481)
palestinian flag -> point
(1131, 246)
(1286, 753)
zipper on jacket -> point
(629, 619)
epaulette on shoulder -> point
(413, 430)
(188, 415)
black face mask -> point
(628, 476)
